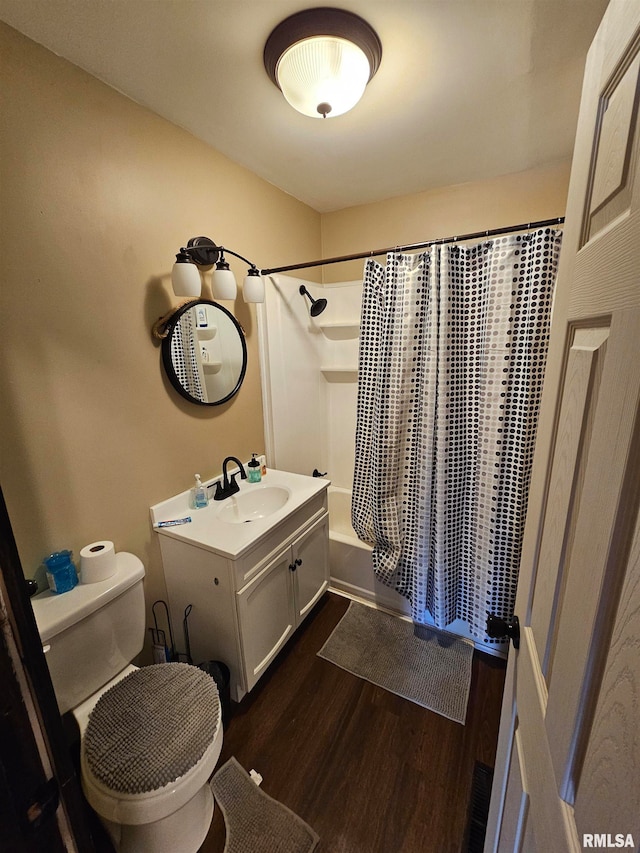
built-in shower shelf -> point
(340, 374)
(341, 331)
(208, 333)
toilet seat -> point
(151, 743)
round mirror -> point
(204, 353)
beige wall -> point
(447, 211)
(98, 194)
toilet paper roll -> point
(97, 562)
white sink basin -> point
(221, 527)
(254, 503)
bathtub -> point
(350, 559)
(352, 569)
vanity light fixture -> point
(203, 252)
(223, 280)
(322, 59)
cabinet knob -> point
(292, 567)
(298, 562)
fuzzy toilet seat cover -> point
(152, 727)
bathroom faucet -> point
(229, 487)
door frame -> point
(41, 695)
(560, 341)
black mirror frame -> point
(168, 363)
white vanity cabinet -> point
(273, 604)
(245, 608)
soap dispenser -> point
(199, 495)
(255, 472)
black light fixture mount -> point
(204, 252)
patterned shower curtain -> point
(452, 355)
(184, 358)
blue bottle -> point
(199, 497)
(61, 572)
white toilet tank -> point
(92, 632)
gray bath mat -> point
(255, 822)
(426, 666)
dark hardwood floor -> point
(369, 771)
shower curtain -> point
(452, 354)
(184, 358)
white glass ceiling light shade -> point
(253, 286)
(223, 281)
(185, 278)
(323, 76)
(322, 59)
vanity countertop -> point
(232, 539)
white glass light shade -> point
(253, 288)
(224, 284)
(185, 279)
(323, 70)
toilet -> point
(150, 737)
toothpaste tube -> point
(173, 522)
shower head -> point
(317, 305)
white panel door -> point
(568, 765)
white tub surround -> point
(320, 432)
(352, 569)
(309, 377)
(350, 558)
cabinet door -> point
(266, 615)
(311, 561)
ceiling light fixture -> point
(203, 252)
(322, 59)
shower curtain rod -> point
(413, 246)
